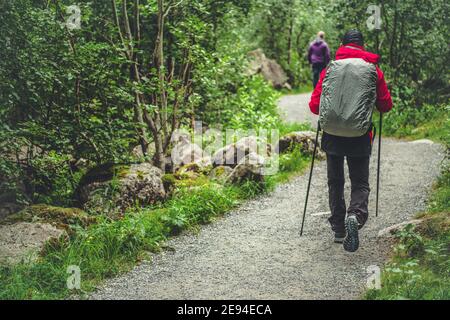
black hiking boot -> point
(339, 237)
(351, 241)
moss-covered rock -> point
(220, 174)
(192, 182)
(192, 175)
(303, 140)
(102, 173)
(194, 167)
(112, 189)
(231, 155)
(251, 168)
(60, 217)
(184, 152)
(169, 182)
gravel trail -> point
(294, 108)
(255, 252)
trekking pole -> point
(379, 162)
(310, 178)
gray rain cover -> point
(349, 92)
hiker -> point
(352, 83)
(318, 56)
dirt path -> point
(255, 252)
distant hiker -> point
(345, 96)
(318, 56)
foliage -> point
(137, 70)
(427, 122)
(285, 28)
(113, 246)
(421, 266)
(257, 105)
(292, 162)
(76, 94)
(411, 42)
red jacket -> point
(384, 100)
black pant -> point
(317, 70)
(359, 176)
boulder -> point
(115, 188)
(268, 68)
(233, 154)
(250, 168)
(220, 174)
(193, 170)
(60, 217)
(305, 140)
(23, 241)
(139, 155)
(185, 152)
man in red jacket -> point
(356, 150)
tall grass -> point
(420, 269)
(111, 247)
(429, 121)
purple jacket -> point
(319, 52)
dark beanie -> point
(353, 36)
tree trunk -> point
(134, 71)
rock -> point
(187, 172)
(422, 141)
(188, 176)
(226, 156)
(115, 188)
(60, 217)
(250, 168)
(23, 241)
(138, 154)
(220, 174)
(9, 208)
(389, 232)
(170, 182)
(194, 170)
(184, 152)
(305, 140)
(204, 163)
(234, 153)
(268, 68)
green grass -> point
(420, 267)
(428, 122)
(112, 247)
(290, 164)
(303, 89)
(286, 128)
